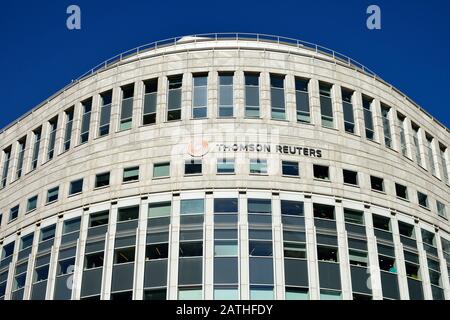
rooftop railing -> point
(217, 37)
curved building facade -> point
(230, 166)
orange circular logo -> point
(198, 148)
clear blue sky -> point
(39, 55)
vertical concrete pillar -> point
(375, 277)
(311, 251)
(277, 238)
(208, 236)
(400, 260)
(141, 244)
(80, 254)
(243, 248)
(53, 269)
(174, 236)
(344, 264)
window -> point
(189, 293)
(68, 131)
(52, 194)
(387, 264)
(225, 205)
(226, 293)
(124, 255)
(428, 238)
(422, 199)
(105, 113)
(377, 184)
(262, 206)
(406, 229)
(347, 106)
(130, 174)
(260, 248)
(191, 249)
(323, 211)
(157, 251)
(326, 105)
(350, 177)
(41, 273)
(193, 167)
(94, 260)
(53, 126)
(127, 214)
(66, 266)
(98, 219)
(358, 258)
(71, 225)
(429, 146)
(401, 191)
(161, 170)
(226, 95)
(441, 209)
(102, 180)
(368, 119)
(385, 114)
(26, 241)
(382, 223)
(415, 132)
(37, 144)
(174, 98)
(353, 216)
(13, 213)
(261, 293)
(251, 95)
(292, 208)
(401, 124)
(159, 209)
(442, 151)
(85, 120)
(48, 233)
(330, 295)
(294, 293)
(302, 100)
(21, 150)
(225, 166)
(258, 166)
(200, 96)
(290, 168)
(150, 100)
(32, 203)
(295, 250)
(7, 251)
(321, 172)
(7, 157)
(327, 254)
(225, 248)
(277, 97)
(76, 187)
(192, 206)
(126, 114)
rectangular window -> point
(377, 183)
(429, 144)
(368, 118)
(68, 129)
(353, 216)
(26, 241)
(193, 167)
(7, 159)
(159, 209)
(422, 199)
(150, 100)
(32, 203)
(124, 255)
(53, 126)
(161, 170)
(259, 206)
(321, 172)
(415, 132)
(105, 113)
(326, 105)
(126, 114)
(52, 194)
(174, 98)
(323, 211)
(128, 214)
(14, 213)
(94, 260)
(290, 168)
(302, 100)
(226, 101)
(251, 95)
(406, 229)
(295, 250)
(102, 180)
(441, 209)
(327, 254)
(401, 125)
(277, 97)
(347, 106)
(71, 225)
(48, 233)
(98, 219)
(7, 250)
(193, 293)
(292, 208)
(225, 166)
(385, 114)
(382, 223)
(225, 205)
(350, 177)
(200, 96)
(85, 120)
(442, 151)
(76, 187)
(156, 251)
(21, 150)
(192, 206)
(358, 258)
(36, 147)
(258, 166)
(130, 174)
(401, 191)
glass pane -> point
(225, 248)
(261, 293)
(161, 170)
(226, 96)
(195, 206)
(226, 205)
(226, 294)
(189, 294)
(259, 206)
(252, 96)
(277, 96)
(161, 209)
(174, 99)
(200, 96)
(150, 103)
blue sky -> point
(39, 55)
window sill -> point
(353, 134)
(74, 194)
(322, 180)
(423, 207)
(130, 182)
(160, 178)
(193, 174)
(290, 176)
(351, 185)
(11, 221)
(259, 174)
(226, 173)
(378, 191)
(101, 188)
(30, 211)
(51, 202)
